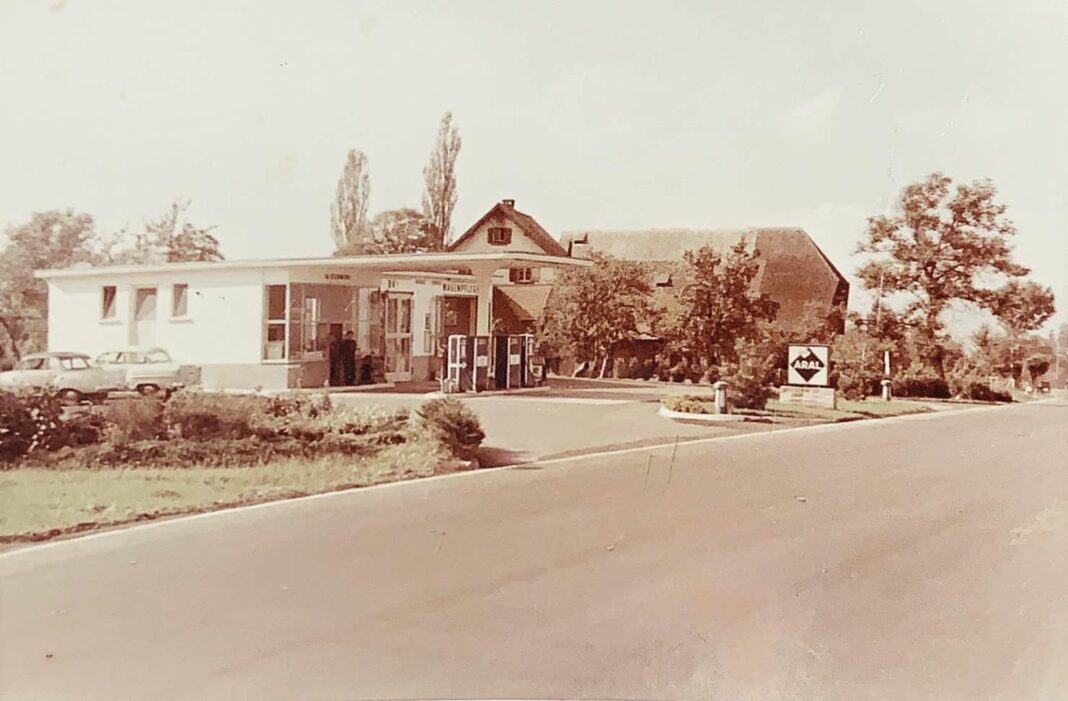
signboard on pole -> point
(808, 365)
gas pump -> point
(458, 376)
(526, 360)
(479, 354)
(515, 361)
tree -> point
(52, 239)
(393, 231)
(936, 249)
(717, 306)
(439, 175)
(592, 309)
(348, 213)
(172, 238)
(1037, 366)
(1021, 306)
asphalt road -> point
(924, 557)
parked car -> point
(146, 370)
(73, 375)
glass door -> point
(398, 338)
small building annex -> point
(270, 323)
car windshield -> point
(31, 364)
(158, 356)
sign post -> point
(808, 376)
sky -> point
(620, 115)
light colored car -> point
(73, 375)
(146, 370)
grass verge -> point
(39, 504)
(849, 410)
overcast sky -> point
(589, 114)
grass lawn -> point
(38, 503)
(849, 410)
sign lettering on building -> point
(808, 365)
(463, 288)
(338, 276)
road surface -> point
(924, 557)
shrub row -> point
(219, 430)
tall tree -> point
(52, 239)
(938, 247)
(439, 175)
(717, 306)
(172, 238)
(592, 309)
(348, 213)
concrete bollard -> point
(886, 390)
(720, 388)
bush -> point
(919, 381)
(983, 392)
(133, 420)
(194, 429)
(30, 421)
(453, 425)
(857, 384)
(688, 403)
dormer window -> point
(500, 236)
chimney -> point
(508, 203)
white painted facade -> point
(266, 323)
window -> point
(521, 275)
(32, 364)
(107, 302)
(108, 358)
(500, 236)
(74, 363)
(157, 356)
(179, 301)
(274, 347)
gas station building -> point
(272, 323)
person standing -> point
(347, 351)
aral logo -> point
(807, 365)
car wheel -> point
(148, 390)
(70, 396)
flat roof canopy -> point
(408, 262)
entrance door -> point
(143, 328)
(398, 338)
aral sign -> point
(808, 365)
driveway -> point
(569, 417)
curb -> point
(687, 417)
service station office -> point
(273, 324)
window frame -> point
(522, 276)
(184, 287)
(272, 323)
(499, 235)
(109, 313)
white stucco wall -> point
(223, 323)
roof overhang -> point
(412, 262)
